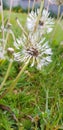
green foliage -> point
(18, 9)
(37, 100)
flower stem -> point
(11, 2)
(6, 76)
(2, 21)
(58, 21)
(28, 6)
(16, 80)
(47, 91)
(23, 30)
(59, 7)
(7, 35)
(18, 76)
(33, 5)
(38, 18)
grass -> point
(36, 103)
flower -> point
(10, 50)
(45, 24)
(36, 49)
(6, 53)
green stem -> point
(11, 2)
(58, 12)
(55, 29)
(7, 36)
(33, 5)
(2, 21)
(6, 76)
(18, 76)
(28, 6)
(23, 30)
(16, 80)
(38, 18)
(47, 91)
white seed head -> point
(10, 50)
(36, 49)
(45, 24)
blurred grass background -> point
(37, 100)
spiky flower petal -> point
(36, 49)
(45, 24)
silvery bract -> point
(45, 24)
(36, 49)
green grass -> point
(37, 100)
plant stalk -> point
(7, 36)
(38, 18)
(28, 6)
(18, 76)
(16, 80)
(47, 91)
(6, 76)
(33, 5)
(59, 7)
(2, 21)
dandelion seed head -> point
(45, 24)
(38, 50)
(32, 51)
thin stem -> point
(7, 36)
(48, 5)
(57, 22)
(23, 30)
(38, 18)
(33, 5)
(19, 24)
(28, 6)
(2, 21)
(18, 76)
(10, 10)
(16, 80)
(47, 91)
(59, 7)
(12, 34)
(6, 76)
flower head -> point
(37, 50)
(6, 53)
(45, 24)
